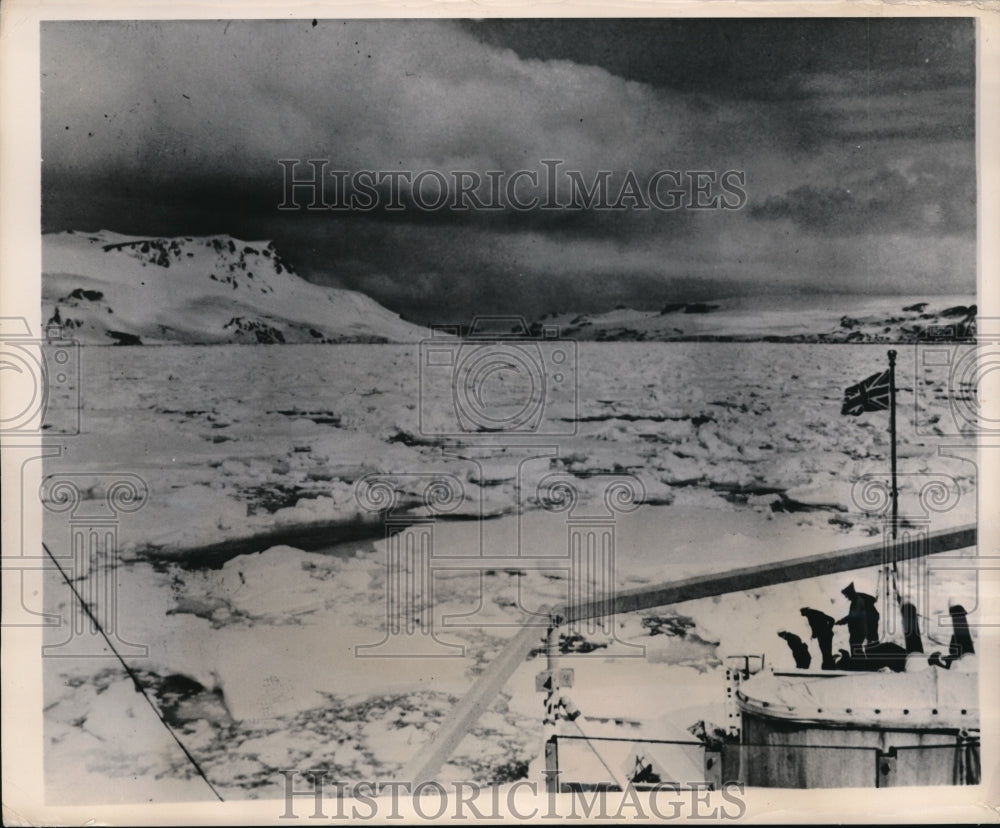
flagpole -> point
(895, 490)
(892, 437)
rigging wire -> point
(131, 673)
(927, 620)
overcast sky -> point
(856, 138)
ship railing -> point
(722, 763)
(698, 753)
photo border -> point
(20, 269)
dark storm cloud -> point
(939, 200)
(176, 128)
(740, 58)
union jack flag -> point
(871, 394)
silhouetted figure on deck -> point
(882, 655)
(821, 625)
(874, 658)
(911, 629)
(861, 619)
(961, 638)
(800, 650)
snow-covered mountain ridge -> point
(107, 288)
(798, 318)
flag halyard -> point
(871, 394)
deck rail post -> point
(885, 768)
(551, 681)
(552, 764)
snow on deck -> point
(925, 698)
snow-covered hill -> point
(106, 288)
(813, 318)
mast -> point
(889, 568)
(892, 438)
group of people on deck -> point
(867, 652)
